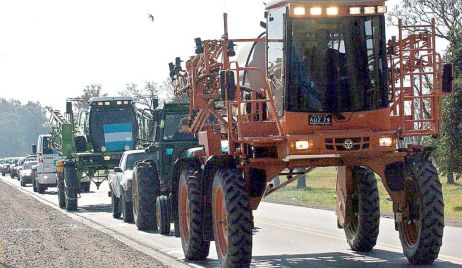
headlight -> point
(302, 145)
(385, 142)
(103, 148)
(107, 158)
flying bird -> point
(151, 17)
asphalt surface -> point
(285, 236)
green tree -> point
(448, 16)
(89, 91)
(20, 126)
(150, 90)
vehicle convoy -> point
(152, 178)
(91, 143)
(120, 183)
(9, 164)
(319, 94)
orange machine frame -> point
(278, 135)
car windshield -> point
(113, 128)
(28, 165)
(133, 158)
(337, 65)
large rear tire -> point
(146, 189)
(363, 230)
(232, 218)
(190, 212)
(71, 186)
(163, 210)
(421, 232)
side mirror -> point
(263, 24)
(448, 78)
(117, 169)
(34, 149)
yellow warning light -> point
(316, 11)
(332, 11)
(355, 10)
(299, 11)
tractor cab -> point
(112, 124)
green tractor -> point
(152, 183)
(91, 143)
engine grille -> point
(347, 144)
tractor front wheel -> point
(363, 229)
(71, 186)
(163, 210)
(232, 219)
(190, 213)
(421, 231)
(146, 188)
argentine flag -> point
(117, 136)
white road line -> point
(383, 246)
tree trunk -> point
(276, 181)
(301, 183)
(451, 178)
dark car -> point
(25, 174)
(2, 163)
(6, 166)
(16, 167)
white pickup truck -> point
(120, 183)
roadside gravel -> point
(35, 235)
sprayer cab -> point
(327, 58)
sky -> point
(51, 49)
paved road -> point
(285, 236)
